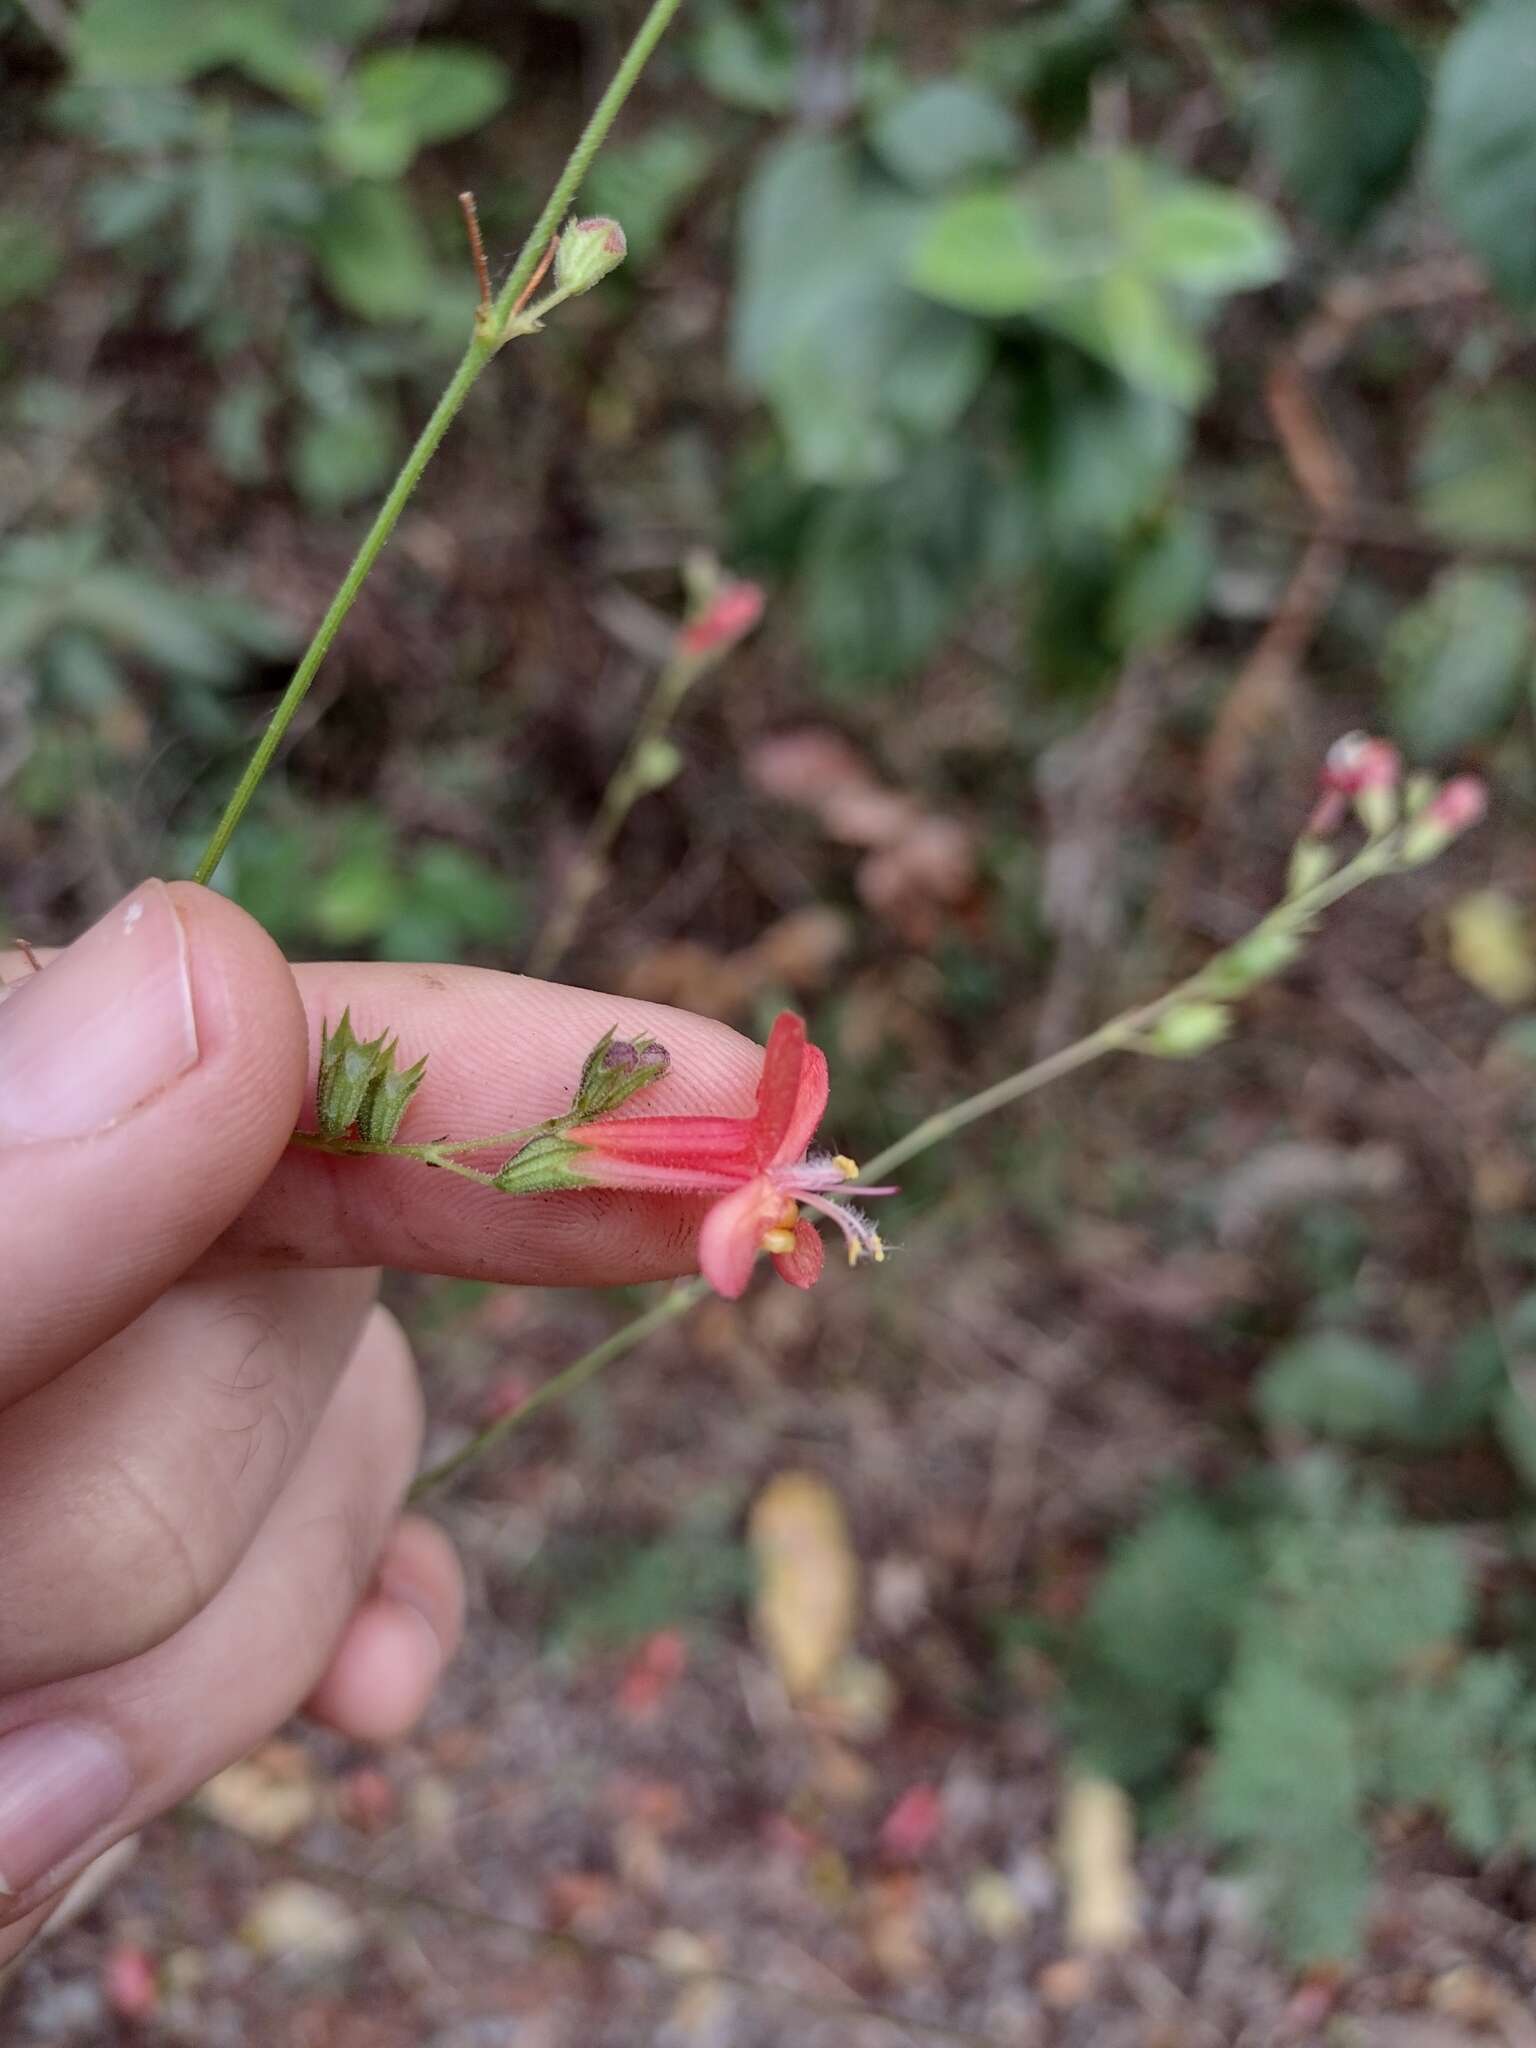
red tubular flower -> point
(757, 1166)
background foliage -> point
(1118, 401)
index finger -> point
(503, 1052)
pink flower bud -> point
(1460, 805)
(1452, 810)
(729, 616)
(1358, 762)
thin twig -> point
(477, 253)
(537, 278)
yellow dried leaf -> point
(1095, 1844)
(263, 1804)
(807, 1579)
(1491, 947)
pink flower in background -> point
(1459, 805)
(729, 616)
(757, 1165)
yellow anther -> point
(866, 1248)
(848, 1168)
(779, 1241)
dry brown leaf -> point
(807, 1597)
(1095, 1845)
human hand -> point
(206, 1421)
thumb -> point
(149, 1077)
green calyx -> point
(358, 1084)
(544, 1166)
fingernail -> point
(104, 1026)
(59, 1782)
(404, 1592)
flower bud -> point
(1190, 1028)
(727, 615)
(1357, 762)
(588, 250)
(1311, 863)
(1455, 808)
(1264, 953)
(1361, 770)
(616, 1069)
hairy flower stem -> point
(484, 344)
(1120, 1034)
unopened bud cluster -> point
(617, 1068)
(1407, 822)
(359, 1086)
(1365, 775)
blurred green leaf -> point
(30, 257)
(1466, 1746)
(1156, 1641)
(1475, 469)
(341, 454)
(1458, 662)
(1161, 589)
(398, 101)
(1482, 140)
(945, 130)
(1358, 1597)
(237, 429)
(451, 898)
(1050, 56)
(747, 59)
(1099, 453)
(373, 255)
(1284, 1788)
(857, 368)
(1338, 1386)
(1339, 108)
(1095, 245)
(888, 569)
(145, 42)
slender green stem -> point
(628, 783)
(638, 55)
(677, 1302)
(1121, 1033)
(475, 358)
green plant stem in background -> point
(1124, 1033)
(634, 777)
(480, 351)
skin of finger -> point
(93, 1229)
(131, 1485)
(220, 1685)
(503, 1052)
(387, 1665)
